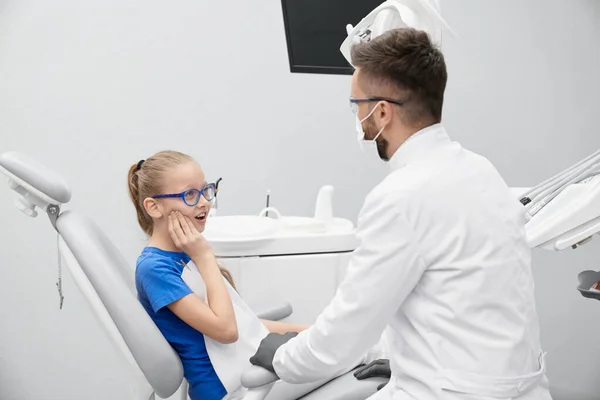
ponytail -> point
(143, 218)
(227, 275)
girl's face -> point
(178, 181)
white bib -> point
(229, 360)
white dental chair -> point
(106, 279)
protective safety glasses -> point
(355, 101)
(191, 197)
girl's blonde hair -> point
(145, 179)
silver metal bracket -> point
(53, 212)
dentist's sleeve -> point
(383, 270)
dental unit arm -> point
(564, 211)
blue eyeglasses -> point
(354, 102)
(191, 197)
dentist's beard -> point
(382, 145)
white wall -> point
(90, 87)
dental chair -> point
(106, 280)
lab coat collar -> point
(418, 144)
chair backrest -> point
(89, 252)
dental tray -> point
(586, 280)
(570, 219)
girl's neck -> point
(163, 241)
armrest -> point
(275, 312)
(346, 387)
(270, 307)
(255, 377)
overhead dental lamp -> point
(393, 14)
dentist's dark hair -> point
(404, 64)
(145, 179)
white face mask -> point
(361, 133)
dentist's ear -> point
(153, 208)
(385, 113)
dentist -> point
(443, 268)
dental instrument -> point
(268, 201)
(538, 197)
(215, 206)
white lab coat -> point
(444, 268)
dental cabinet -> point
(298, 260)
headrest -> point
(38, 185)
(393, 14)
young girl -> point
(172, 200)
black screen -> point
(315, 30)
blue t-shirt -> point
(159, 283)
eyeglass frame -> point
(182, 194)
(354, 101)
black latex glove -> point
(268, 346)
(378, 368)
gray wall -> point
(91, 87)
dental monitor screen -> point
(314, 30)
